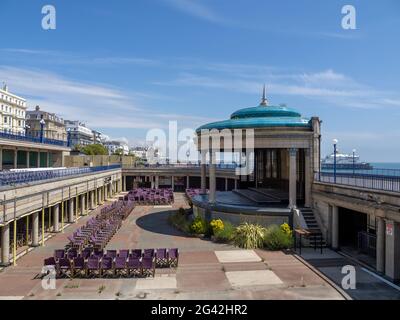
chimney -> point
(37, 108)
(5, 87)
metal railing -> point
(186, 165)
(384, 179)
(8, 178)
(22, 137)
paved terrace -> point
(206, 270)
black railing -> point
(387, 180)
(27, 176)
(22, 137)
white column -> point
(152, 181)
(157, 181)
(1, 159)
(335, 227)
(82, 204)
(48, 159)
(5, 245)
(92, 204)
(292, 177)
(236, 183)
(123, 183)
(203, 172)
(38, 159)
(71, 210)
(173, 183)
(187, 182)
(380, 245)
(56, 213)
(392, 250)
(15, 159)
(213, 179)
(308, 176)
(35, 229)
(27, 159)
(226, 184)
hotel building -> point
(13, 109)
(53, 126)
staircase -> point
(312, 223)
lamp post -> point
(335, 141)
(354, 161)
(42, 123)
(27, 127)
(187, 155)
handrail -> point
(15, 178)
(22, 137)
(371, 180)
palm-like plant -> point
(249, 236)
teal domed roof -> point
(261, 116)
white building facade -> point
(13, 112)
(113, 146)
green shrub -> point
(199, 226)
(216, 225)
(180, 221)
(225, 234)
(277, 238)
(249, 236)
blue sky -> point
(125, 67)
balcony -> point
(9, 178)
(17, 137)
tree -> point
(95, 149)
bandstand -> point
(279, 151)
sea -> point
(379, 168)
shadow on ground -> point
(158, 222)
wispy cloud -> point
(99, 105)
(325, 86)
(61, 57)
(198, 10)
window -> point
(5, 119)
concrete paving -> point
(237, 256)
(252, 278)
(368, 285)
(206, 270)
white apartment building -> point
(79, 133)
(12, 110)
(113, 146)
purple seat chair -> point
(133, 266)
(123, 253)
(111, 253)
(92, 266)
(136, 253)
(148, 267)
(120, 266)
(148, 253)
(64, 267)
(106, 266)
(173, 257)
(78, 266)
(161, 258)
(59, 253)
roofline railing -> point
(386, 180)
(9, 178)
(23, 137)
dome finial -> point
(264, 101)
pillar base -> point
(5, 264)
(34, 245)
